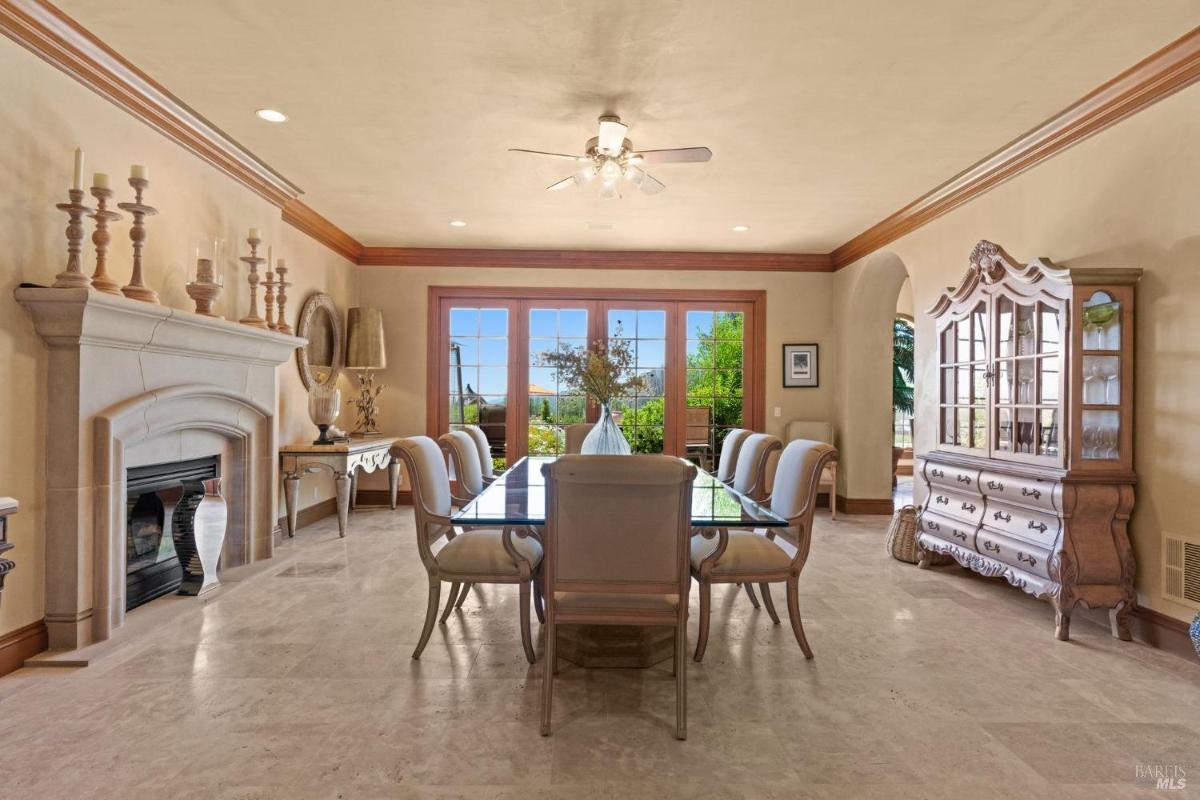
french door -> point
(700, 354)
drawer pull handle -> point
(968, 507)
(1040, 527)
(991, 548)
(996, 486)
(942, 500)
(933, 526)
(1036, 494)
(960, 535)
(937, 473)
(1030, 560)
(964, 479)
(1003, 516)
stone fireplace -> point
(131, 384)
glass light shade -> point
(204, 262)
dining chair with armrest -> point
(485, 452)
(727, 463)
(817, 431)
(756, 456)
(476, 555)
(748, 557)
(616, 538)
(575, 434)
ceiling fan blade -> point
(674, 156)
(544, 153)
(564, 183)
(612, 135)
(650, 184)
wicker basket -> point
(901, 539)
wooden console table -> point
(344, 460)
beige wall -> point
(798, 310)
(1126, 197)
(44, 116)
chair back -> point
(618, 524)
(795, 493)
(576, 434)
(426, 468)
(464, 457)
(729, 454)
(697, 426)
(485, 451)
(750, 477)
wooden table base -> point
(615, 646)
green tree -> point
(902, 366)
(715, 370)
(546, 411)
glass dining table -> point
(518, 498)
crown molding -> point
(1161, 74)
(594, 259)
(300, 216)
(56, 38)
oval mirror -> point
(323, 357)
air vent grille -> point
(1181, 569)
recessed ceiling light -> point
(271, 115)
(457, 223)
(740, 228)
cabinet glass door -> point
(964, 381)
(1100, 421)
(1027, 372)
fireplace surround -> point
(130, 384)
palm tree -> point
(902, 366)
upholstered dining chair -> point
(730, 448)
(752, 557)
(475, 555)
(753, 470)
(576, 434)
(485, 452)
(463, 454)
(818, 432)
(616, 542)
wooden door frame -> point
(752, 301)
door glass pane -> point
(1024, 380)
(1101, 435)
(1048, 329)
(1048, 380)
(1102, 380)
(1048, 431)
(1026, 434)
(1025, 330)
(1004, 430)
(948, 425)
(1101, 323)
(979, 334)
(715, 350)
(641, 415)
(478, 361)
(1004, 382)
(553, 403)
(1004, 327)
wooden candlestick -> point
(101, 238)
(137, 234)
(253, 319)
(269, 297)
(281, 284)
(73, 277)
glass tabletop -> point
(518, 497)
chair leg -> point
(548, 658)
(538, 603)
(749, 587)
(462, 594)
(765, 588)
(526, 639)
(793, 601)
(681, 681)
(705, 603)
(435, 592)
(450, 601)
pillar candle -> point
(139, 171)
(77, 181)
(100, 180)
(253, 233)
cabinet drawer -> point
(1026, 524)
(1044, 495)
(961, 480)
(948, 529)
(1022, 555)
(948, 503)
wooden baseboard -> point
(1163, 632)
(314, 513)
(380, 497)
(864, 505)
(21, 644)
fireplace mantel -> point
(132, 383)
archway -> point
(864, 405)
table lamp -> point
(364, 352)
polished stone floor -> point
(297, 683)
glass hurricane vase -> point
(605, 438)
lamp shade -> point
(364, 339)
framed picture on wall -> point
(800, 366)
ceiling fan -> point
(610, 157)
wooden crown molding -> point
(56, 38)
(300, 216)
(1163, 73)
(594, 259)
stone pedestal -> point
(615, 646)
